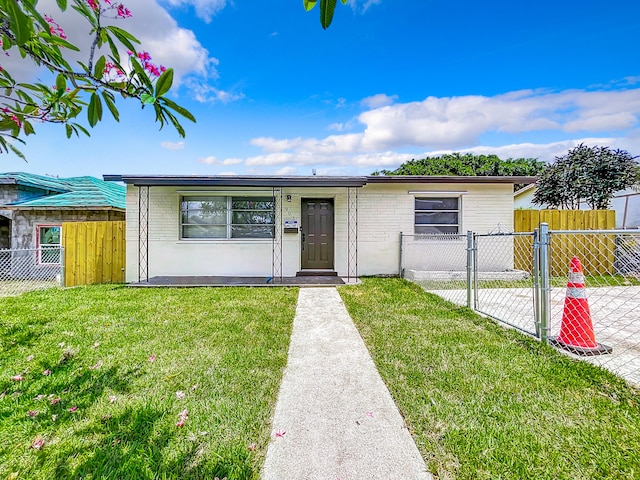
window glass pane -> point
(252, 218)
(50, 235)
(252, 203)
(204, 231)
(204, 217)
(435, 229)
(450, 218)
(436, 204)
(252, 231)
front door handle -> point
(303, 239)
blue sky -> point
(273, 93)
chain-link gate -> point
(578, 290)
(30, 269)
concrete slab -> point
(335, 418)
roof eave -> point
(56, 207)
(309, 181)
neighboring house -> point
(33, 207)
(284, 226)
(626, 204)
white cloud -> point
(205, 9)
(226, 162)
(286, 171)
(363, 5)
(159, 34)
(205, 93)
(378, 100)
(441, 125)
(457, 122)
(172, 145)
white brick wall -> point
(383, 212)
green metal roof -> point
(67, 193)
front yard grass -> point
(483, 402)
(108, 382)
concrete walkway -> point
(335, 418)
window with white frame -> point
(437, 215)
(226, 217)
(49, 243)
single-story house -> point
(283, 226)
(33, 207)
(626, 204)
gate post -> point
(400, 269)
(535, 272)
(470, 303)
(544, 282)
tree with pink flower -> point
(90, 86)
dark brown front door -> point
(317, 233)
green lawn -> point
(94, 381)
(483, 402)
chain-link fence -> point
(578, 290)
(30, 269)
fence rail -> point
(522, 280)
(24, 270)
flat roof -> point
(300, 181)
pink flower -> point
(97, 344)
(37, 444)
(55, 400)
(370, 414)
(29, 358)
(47, 372)
(112, 398)
(152, 358)
(252, 447)
(180, 394)
(280, 433)
(123, 12)
(183, 418)
(93, 4)
(73, 409)
(17, 378)
(96, 366)
(144, 56)
(33, 413)
(194, 386)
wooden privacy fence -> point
(94, 252)
(597, 251)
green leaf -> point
(124, 37)
(142, 75)
(147, 99)
(327, 7)
(17, 152)
(164, 82)
(69, 130)
(62, 4)
(176, 124)
(77, 127)
(28, 128)
(98, 69)
(61, 84)
(114, 50)
(309, 4)
(111, 104)
(94, 111)
(19, 23)
(182, 111)
(344, 2)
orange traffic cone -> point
(576, 331)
